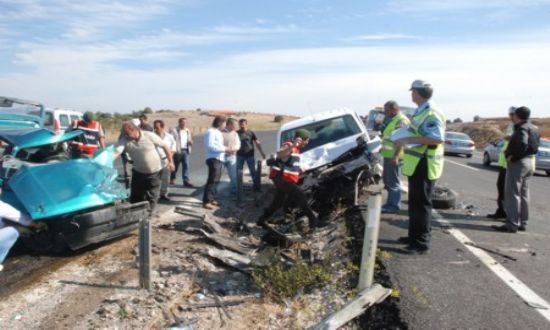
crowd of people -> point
(156, 154)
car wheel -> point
(548, 172)
(469, 155)
(486, 159)
(443, 198)
(47, 242)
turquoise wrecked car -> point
(18, 113)
(82, 201)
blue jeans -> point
(392, 185)
(251, 163)
(8, 237)
(182, 158)
(231, 166)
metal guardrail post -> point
(145, 254)
(239, 186)
(371, 216)
(258, 179)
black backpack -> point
(533, 140)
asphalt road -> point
(453, 288)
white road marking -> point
(522, 290)
(459, 164)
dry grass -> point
(199, 121)
(489, 130)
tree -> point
(278, 118)
(448, 121)
(457, 120)
(477, 118)
(147, 110)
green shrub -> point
(280, 281)
(278, 118)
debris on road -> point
(495, 252)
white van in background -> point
(58, 120)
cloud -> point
(381, 36)
(431, 6)
(251, 30)
(469, 80)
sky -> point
(287, 56)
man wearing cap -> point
(285, 173)
(394, 119)
(423, 164)
(86, 145)
(522, 147)
(502, 164)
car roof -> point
(316, 117)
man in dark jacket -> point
(520, 156)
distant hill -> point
(488, 130)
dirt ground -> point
(99, 289)
(489, 130)
(199, 121)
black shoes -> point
(496, 216)
(188, 185)
(165, 198)
(506, 229)
(522, 228)
(416, 250)
(404, 239)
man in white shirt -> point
(215, 157)
(184, 142)
(158, 126)
(232, 142)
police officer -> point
(285, 173)
(423, 164)
(394, 120)
(502, 164)
(92, 138)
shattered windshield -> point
(325, 131)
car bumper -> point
(543, 164)
(101, 225)
(459, 150)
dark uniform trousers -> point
(288, 191)
(145, 187)
(501, 180)
(420, 206)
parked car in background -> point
(18, 113)
(457, 143)
(543, 156)
(491, 152)
(375, 119)
(58, 120)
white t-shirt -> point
(170, 142)
(183, 138)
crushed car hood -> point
(11, 120)
(58, 189)
(35, 137)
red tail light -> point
(56, 125)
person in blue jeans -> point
(246, 152)
(233, 144)
(9, 234)
(394, 120)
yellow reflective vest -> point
(433, 154)
(388, 147)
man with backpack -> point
(523, 146)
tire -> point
(486, 159)
(548, 172)
(469, 155)
(443, 198)
(46, 242)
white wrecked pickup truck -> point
(339, 158)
